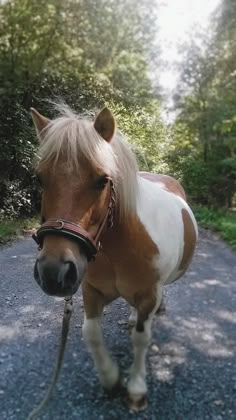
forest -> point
(103, 52)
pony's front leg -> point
(92, 332)
(141, 335)
(132, 317)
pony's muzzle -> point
(56, 277)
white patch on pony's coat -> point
(107, 369)
(160, 212)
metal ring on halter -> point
(61, 224)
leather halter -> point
(91, 245)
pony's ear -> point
(105, 124)
(40, 122)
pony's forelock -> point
(73, 137)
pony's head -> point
(80, 162)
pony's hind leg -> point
(92, 332)
(141, 335)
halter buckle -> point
(61, 224)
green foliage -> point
(205, 183)
(206, 103)
(77, 39)
(146, 132)
(220, 221)
(87, 52)
(96, 52)
(9, 229)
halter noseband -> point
(73, 231)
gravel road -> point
(192, 357)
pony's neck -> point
(122, 234)
(128, 244)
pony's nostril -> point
(62, 274)
(70, 275)
(56, 277)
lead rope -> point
(68, 308)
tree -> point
(206, 103)
(89, 52)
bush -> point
(218, 220)
(206, 183)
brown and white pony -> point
(137, 225)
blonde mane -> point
(73, 137)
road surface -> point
(191, 362)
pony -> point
(116, 231)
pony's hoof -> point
(137, 402)
(117, 390)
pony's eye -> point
(101, 182)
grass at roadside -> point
(11, 228)
(220, 221)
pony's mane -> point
(73, 137)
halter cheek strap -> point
(73, 231)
